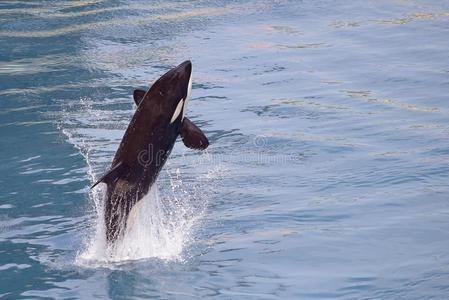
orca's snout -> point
(187, 66)
(184, 71)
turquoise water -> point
(327, 172)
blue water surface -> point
(327, 171)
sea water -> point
(327, 170)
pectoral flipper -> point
(192, 136)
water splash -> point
(162, 228)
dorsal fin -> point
(138, 96)
(111, 175)
(192, 136)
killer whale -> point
(146, 145)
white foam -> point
(161, 228)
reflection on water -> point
(96, 25)
(136, 20)
(326, 176)
(368, 95)
(118, 8)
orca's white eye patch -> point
(177, 111)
